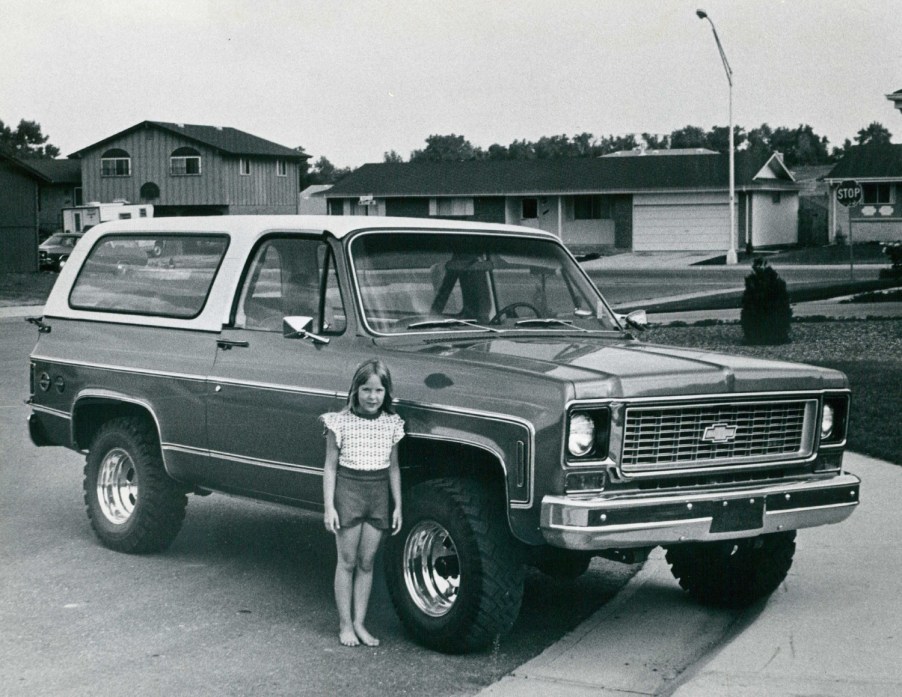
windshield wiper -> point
(451, 322)
(546, 321)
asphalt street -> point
(241, 604)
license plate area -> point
(738, 514)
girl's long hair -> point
(364, 372)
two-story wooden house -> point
(185, 169)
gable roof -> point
(227, 140)
(869, 162)
(562, 175)
(47, 170)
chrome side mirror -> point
(637, 319)
(298, 327)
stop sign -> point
(848, 193)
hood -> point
(604, 368)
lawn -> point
(25, 288)
(868, 352)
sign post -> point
(848, 194)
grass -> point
(862, 252)
(869, 352)
(25, 288)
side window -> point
(285, 279)
(166, 275)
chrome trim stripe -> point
(275, 387)
(59, 413)
(715, 396)
(231, 457)
(121, 369)
(492, 416)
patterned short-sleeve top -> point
(364, 443)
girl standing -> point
(361, 471)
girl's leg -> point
(347, 541)
(370, 538)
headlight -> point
(827, 422)
(581, 434)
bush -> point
(766, 313)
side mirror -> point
(637, 319)
(298, 327)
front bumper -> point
(648, 520)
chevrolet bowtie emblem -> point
(720, 433)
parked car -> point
(55, 250)
(540, 430)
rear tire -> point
(454, 572)
(133, 505)
(734, 573)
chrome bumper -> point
(648, 520)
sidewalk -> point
(832, 628)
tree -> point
(874, 134)
(26, 140)
(689, 137)
(653, 141)
(449, 148)
(324, 172)
(392, 156)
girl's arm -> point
(330, 469)
(394, 483)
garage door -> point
(687, 223)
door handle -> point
(228, 344)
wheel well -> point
(422, 459)
(90, 414)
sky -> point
(351, 80)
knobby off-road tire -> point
(734, 573)
(454, 572)
(133, 505)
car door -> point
(266, 390)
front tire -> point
(454, 572)
(133, 505)
(734, 573)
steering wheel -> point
(507, 309)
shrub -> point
(766, 313)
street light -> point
(732, 257)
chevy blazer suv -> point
(190, 355)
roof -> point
(47, 170)
(563, 175)
(882, 161)
(315, 190)
(639, 152)
(61, 171)
(225, 139)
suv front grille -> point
(668, 437)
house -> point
(640, 201)
(878, 169)
(33, 193)
(312, 201)
(185, 169)
(896, 99)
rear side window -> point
(161, 275)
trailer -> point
(77, 219)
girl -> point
(361, 470)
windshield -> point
(60, 241)
(444, 281)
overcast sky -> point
(351, 80)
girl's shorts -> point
(361, 496)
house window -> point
(115, 163)
(244, 166)
(530, 208)
(142, 212)
(451, 207)
(591, 208)
(775, 197)
(876, 194)
(281, 168)
(184, 162)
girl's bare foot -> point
(348, 637)
(365, 637)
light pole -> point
(732, 257)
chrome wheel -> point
(431, 568)
(117, 486)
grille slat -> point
(671, 437)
